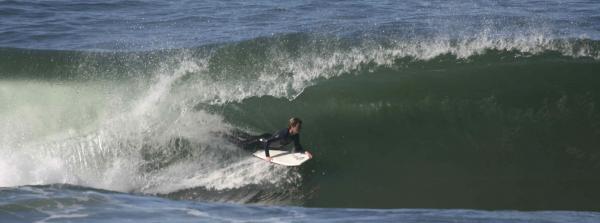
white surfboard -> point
(282, 157)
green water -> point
(487, 132)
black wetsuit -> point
(280, 139)
(250, 143)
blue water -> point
(68, 204)
(142, 25)
(469, 111)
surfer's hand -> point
(308, 153)
(268, 158)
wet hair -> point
(294, 122)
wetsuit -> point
(280, 139)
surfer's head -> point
(294, 125)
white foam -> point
(22, 169)
(110, 156)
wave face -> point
(410, 123)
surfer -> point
(268, 141)
(284, 137)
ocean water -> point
(438, 111)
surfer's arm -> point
(268, 142)
(297, 146)
(279, 135)
(267, 147)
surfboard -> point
(283, 157)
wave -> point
(154, 122)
